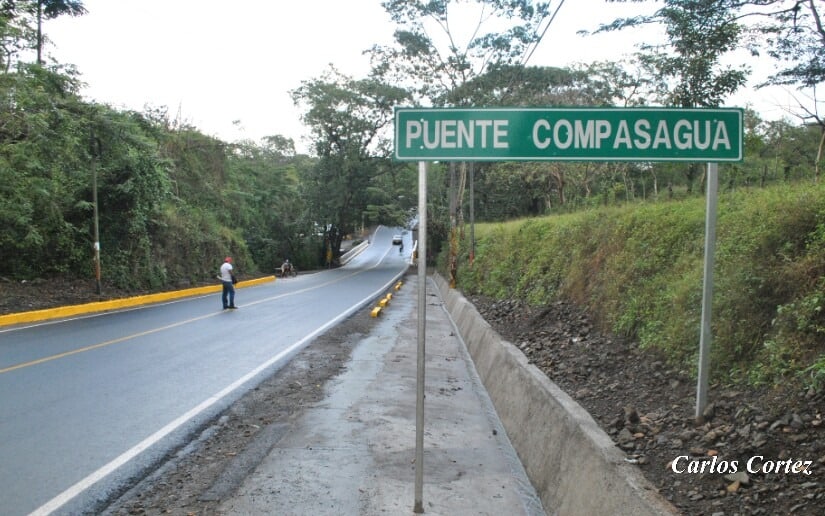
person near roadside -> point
(228, 281)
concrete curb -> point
(116, 304)
(572, 463)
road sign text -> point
(569, 134)
(457, 134)
(596, 134)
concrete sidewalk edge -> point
(573, 464)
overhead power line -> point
(538, 41)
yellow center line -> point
(101, 344)
(162, 328)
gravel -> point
(758, 451)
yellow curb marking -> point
(114, 304)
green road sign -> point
(568, 134)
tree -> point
(43, 146)
(17, 17)
(699, 33)
(50, 9)
(791, 31)
(16, 34)
(796, 37)
(441, 44)
(795, 33)
(264, 179)
(348, 119)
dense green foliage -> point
(157, 189)
(638, 268)
(172, 201)
(347, 118)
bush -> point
(638, 269)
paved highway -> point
(89, 404)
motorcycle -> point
(287, 269)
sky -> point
(227, 68)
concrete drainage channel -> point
(571, 462)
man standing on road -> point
(228, 280)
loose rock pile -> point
(758, 451)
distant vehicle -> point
(396, 240)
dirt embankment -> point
(759, 451)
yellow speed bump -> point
(398, 285)
(375, 311)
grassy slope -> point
(638, 268)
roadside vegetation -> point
(623, 239)
(638, 269)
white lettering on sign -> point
(540, 128)
(457, 134)
(594, 134)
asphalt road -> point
(89, 404)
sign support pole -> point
(422, 327)
(472, 214)
(707, 291)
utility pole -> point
(95, 157)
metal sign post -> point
(707, 291)
(422, 330)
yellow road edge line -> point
(115, 304)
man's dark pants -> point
(228, 292)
